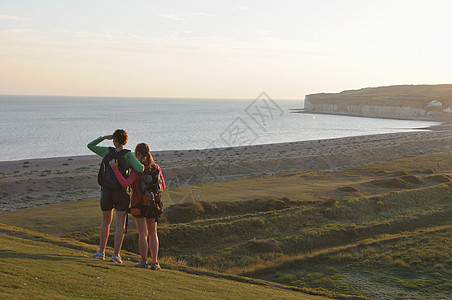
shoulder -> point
(128, 154)
(107, 152)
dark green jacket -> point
(131, 161)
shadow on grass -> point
(5, 254)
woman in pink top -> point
(146, 226)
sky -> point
(220, 49)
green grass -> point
(307, 187)
(425, 163)
(417, 264)
(301, 228)
(57, 218)
(41, 269)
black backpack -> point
(151, 193)
(150, 181)
(106, 176)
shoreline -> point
(442, 126)
(446, 121)
(31, 182)
(174, 155)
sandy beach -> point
(27, 183)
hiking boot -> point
(141, 264)
(116, 258)
(99, 255)
(155, 266)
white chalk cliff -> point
(405, 112)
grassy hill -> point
(37, 266)
(417, 96)
(414, 264)
(379, 227)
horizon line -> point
(146, 97)
(225, 98)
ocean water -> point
(44, 126)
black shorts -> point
(146, 213)
(118, 199)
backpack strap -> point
(123, 151)
(161, 177)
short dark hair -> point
(120, 136)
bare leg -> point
(142, 238)
(153, 239)
(105, 229)
(119, 232)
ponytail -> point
(145, 151)
(149, 160)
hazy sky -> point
(222, 49)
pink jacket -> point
(134, 181)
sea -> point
(60, 126)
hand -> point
(113, 163)
(107, 137)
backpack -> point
(150, 181)
(151, 187)
(106, 176)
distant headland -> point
(417, 102)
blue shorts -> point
(118, 199)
